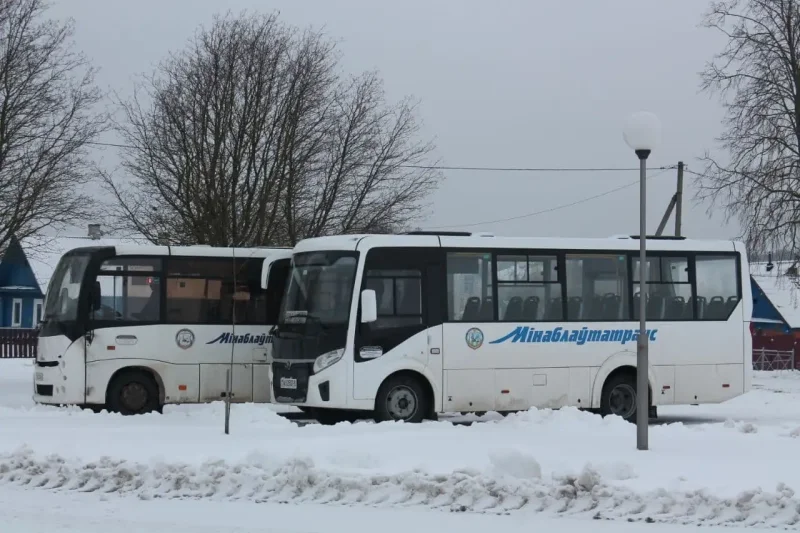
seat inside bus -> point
(607, 307)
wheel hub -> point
(134, 396)
(622, 401)
(401, 403)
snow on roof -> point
(782, 290)
(43, 253)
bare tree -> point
(758, 76)
(47, 122)
(252, 136)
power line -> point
(556, 208)
(698, 174)
(431, 167)
(530, 169)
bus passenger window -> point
(128, 298)
(668, 292)
(717, 286)
(528, 289)
(469, 287)
(597, 287)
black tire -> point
(133, 392)
(402, 398)
(619, 397)
(327, 417)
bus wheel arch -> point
(404, 387)
(622, 381)
(134, 390)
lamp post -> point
(642, 133)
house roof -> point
(44, 252)
(782, 290)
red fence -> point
(775, 351)
(17, 343)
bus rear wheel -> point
(619, 397)
(401, 398)
(133, 392)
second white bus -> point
(132, 328)
(403, 327)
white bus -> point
(404, 327)
(131, 328)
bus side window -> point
(128, 290)
(717, 286)
(399, 295)
(469, 287)
(528, 289)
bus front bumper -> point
(51, 386)
(296, 385)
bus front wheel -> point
(402, 397)
(133, 392)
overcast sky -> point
(511, 84)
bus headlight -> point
(327, 359)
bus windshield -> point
(61, 304)
(320, 288)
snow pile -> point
(712, 464)
(506, 488)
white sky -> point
(517, 83)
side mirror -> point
(369, 306)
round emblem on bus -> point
(184, 339)
(474, 338)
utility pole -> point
(676, 203)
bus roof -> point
(192, 251)
(484, 241)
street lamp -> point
(642, 133)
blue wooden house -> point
(21, 298)
(776, 297)
(765, 314)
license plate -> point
(39, 376)
(288, 383)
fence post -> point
(18, 343)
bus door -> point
(124, 295)
(408, 332)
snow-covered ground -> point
(731, 464)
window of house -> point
(668, 292)
(16, 313)
(597, 287)
(469, 287)
(37, 312)
(528, 288)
